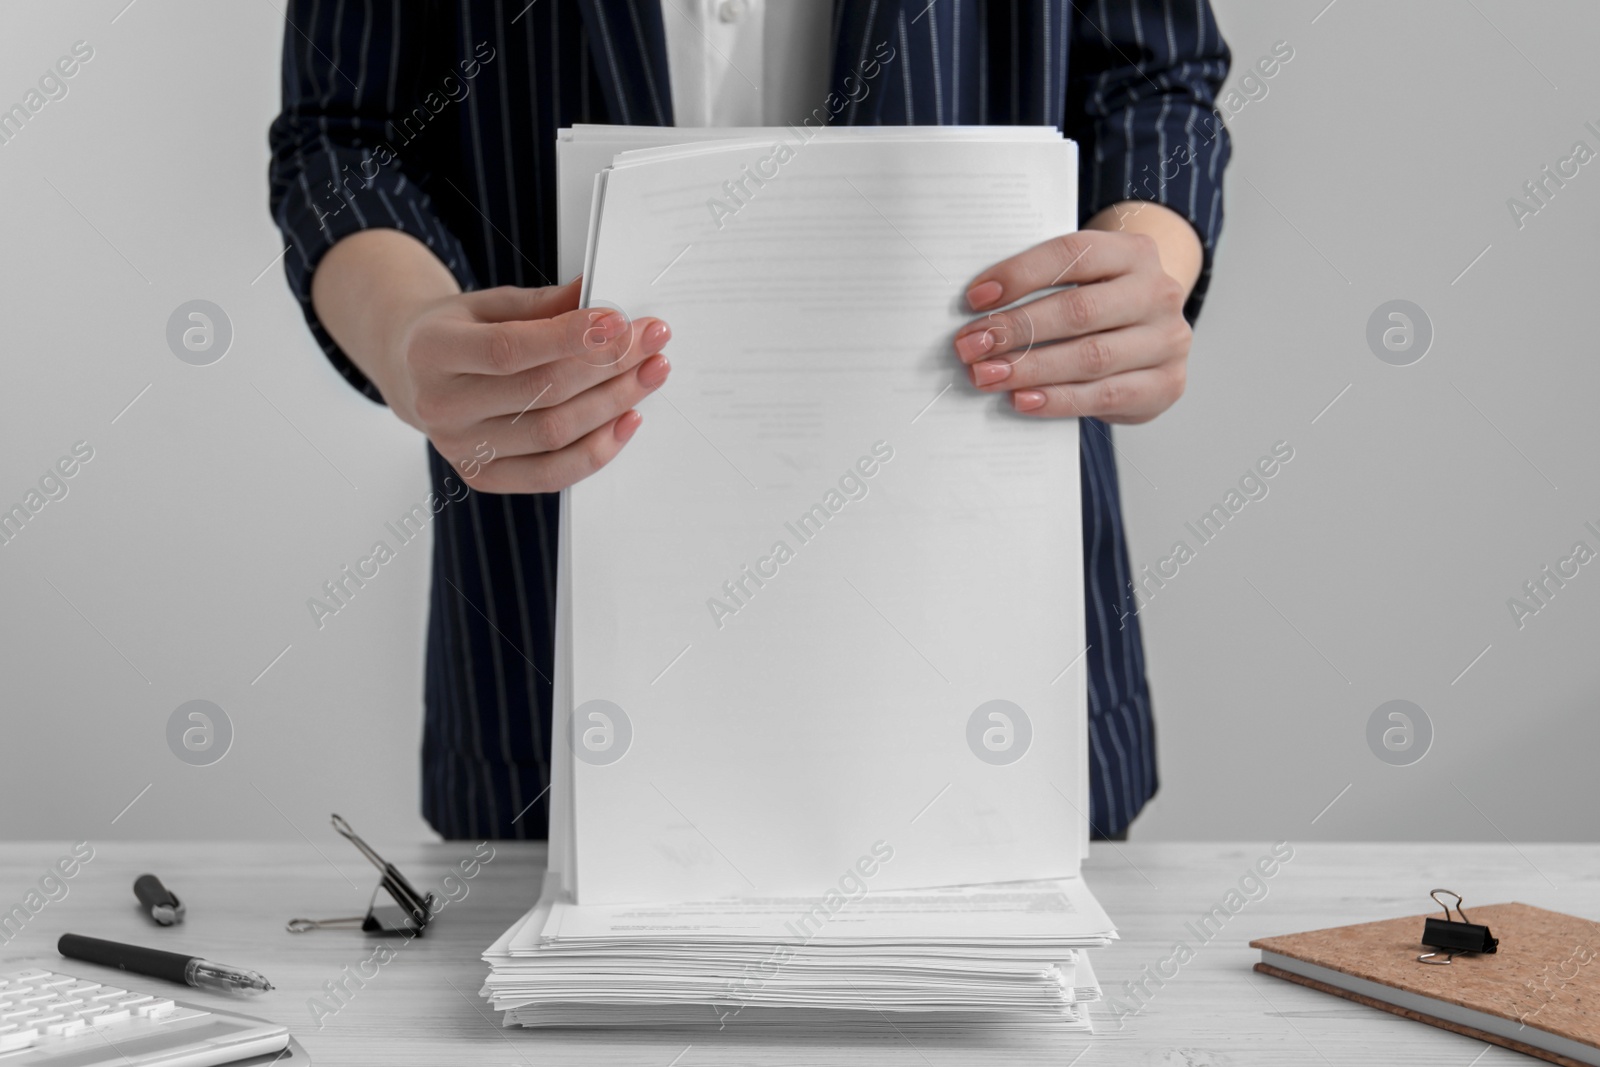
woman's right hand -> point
(519, 389)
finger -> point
(550, 472)
(550, 429)
(1087, 309)
(508, 302)
(473, 397)
(1137, 396)
(1071, 259)
(599, 336)
(1084, 359)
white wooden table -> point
(423, 1007)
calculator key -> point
(24, 976)
(91, 1011)
(17, 1014)
(156, 1008)
(81, 987)
(54, 981)
(130, 1004)
(10, 1042)
(106, 1018)
(108, 993)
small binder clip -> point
(410, 914)
(1451, 936)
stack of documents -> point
(820, 627)
(977, 956)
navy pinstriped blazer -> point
(440, 120)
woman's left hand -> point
(1116, 346)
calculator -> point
(50, 1019)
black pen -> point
(154, 963)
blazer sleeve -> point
(349, 75)
(1143, 78)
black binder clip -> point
(408, 916)
(1454, 937)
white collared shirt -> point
(747, 62)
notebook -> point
(1538, 994)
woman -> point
(413, 175)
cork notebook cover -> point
(1545, 974)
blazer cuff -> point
(312, 222)
(1176, 161)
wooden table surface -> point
(422, 1007)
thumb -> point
(509, 302)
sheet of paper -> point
(1032, 912)
(536, 916)
(559, 861)
(794, 1026)
(583, 151)
(832, 588)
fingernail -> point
(983, 294)
(611, 324)
(974, 345)
(627, 423)
(654, 371)
(1027, 399)
(656, 337)
(990, 371)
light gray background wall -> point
(1376, 167)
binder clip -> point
(1453, 937)
(408, 916)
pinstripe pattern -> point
(1133, 81)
